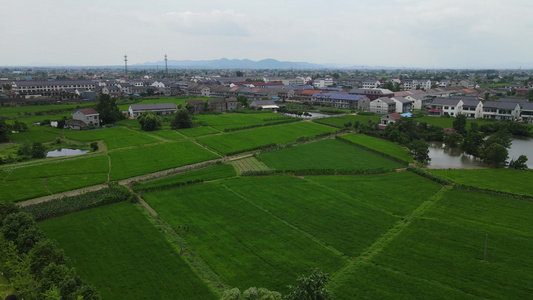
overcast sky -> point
(396, 33)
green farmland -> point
(341, 120)
(326, 154)
(379, 145)
(237, 120)
(118, 250)
(250, 139)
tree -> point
(39, 150)
(149, 121)
(4, 131)
(239, 73)
(6, 87)
(182, 119)
(472, 143)
(252, 293)
(420, 150)
(310, 288)
(25, 149)
(243, 100)
(15, 224)
(501, 137)
(42, 254)
(108, 110)
(496, 155)
(474, 126)
(520, 163)
(453, 140)
(150, 91)
(459, 124)
(19, 126)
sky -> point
(394, 33)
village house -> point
(389, 119)
(347, 101)
(442, 106)
(195, 105)
(498, 110)
(82, 118)
(472, 108)
(403, 105)
(383, 105)
(372, 94)
(158, 108)
(526, 114)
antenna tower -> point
(126, 64)
(166, 66)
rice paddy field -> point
(341, 120)
(379, 145)
(117, 249)
(249, 163)
(507, 180)
(237, 120)
(34, 135)
(35, 180)
(114, 138)
(326, 154)
(198, 131)
(148, 159)
(250, 139)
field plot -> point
(143, 160)
(249, 164)
(198, 131)
(507, 180)
(237, 120)
(326, 154)
(32, 181)
(43, 110)
(336, 219)
(250, 139)
(210, 173)
(445, 248)
(124, 256)
(114, 138)
(341, 120)
(379, 145)
(168, 134)
(241, 243)
(34, 135)
(176, 101)
(397, 193)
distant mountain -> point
(225, 63)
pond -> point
(445, 158)
(65, 152)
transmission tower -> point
(126, 64)
(166, 65)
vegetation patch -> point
(168, 134)
(144, 160)
(34, 135)
(341, 120)
(249, 163)
(114, 138)
(390, 149)
(66, 205)
(238, 121)
(198, 131)
(252, 139)
(124, 256)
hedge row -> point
(316, 172)
(66, 205)
(493, 192)
(395, 159)
(429, 175)
(141, 188)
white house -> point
(442, 106)
(403, 105)
(323, 82)
(383, 105)
(472, 109)
(158, 108)
(499, 110)
(89, 116)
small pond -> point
(65, 152)
(453, 158)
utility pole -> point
(126, 64)
(166, 65)
(485, 255)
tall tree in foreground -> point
(459, 124)
(149, 121)
(311, 288)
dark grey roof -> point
(444, 101)
(262, 102)
(527, 106)
(386, 100)
(403, 100)
(520, 101)
(499, 105)
(155, 106)
(470, 102)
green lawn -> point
(443, 250)
(325, 154)
(241, 243)
(253, 138)
(380, 145)
(148, 159)
(507, 180)
(30, 181)
(116, 249)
